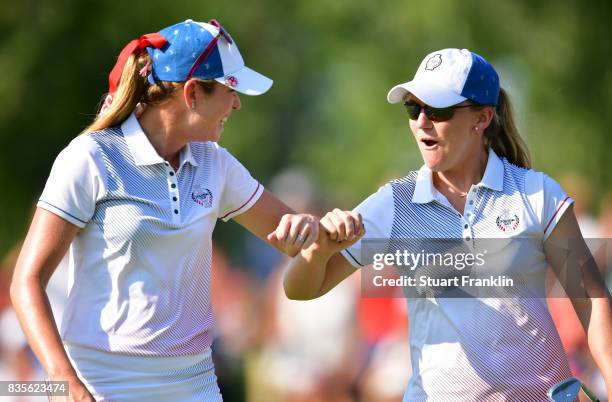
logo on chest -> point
(507, 222)
(203, 197)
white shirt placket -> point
(173, 192)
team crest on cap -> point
(231, 81)
(433, 62)
(203, 197)
(507, 222)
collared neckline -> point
(141, 148)
(493, 178)
(187, 156)
(424, 189)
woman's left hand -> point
(294, 233)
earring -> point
(193, 105)
(476, 128)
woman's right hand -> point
(341, 229)
(77, 392)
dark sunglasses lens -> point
(413, 110)
(440, 114)
(432, 113)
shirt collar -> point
(187, 155)
(493, 178)
(424, 190)
(141, 149)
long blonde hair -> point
(502, 134)
(133, 88)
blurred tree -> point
(332, 62)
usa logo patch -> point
(507, 222)
(433, 62)
(231, 81)
(203, 198)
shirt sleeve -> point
(240, 191)
(548, 200)
(76, 182)
(377, 214)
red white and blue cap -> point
(204, 51)
(191, 50)
(450, 76)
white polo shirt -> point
(476, 349)
(141, 265)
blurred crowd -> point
(339, 348)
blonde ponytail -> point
(129, 92)
(133, 88)
(502, 134)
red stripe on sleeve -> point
(242, 206)
(555, 214)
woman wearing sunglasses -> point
(476, 343)
(136, 198)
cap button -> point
(188, 21)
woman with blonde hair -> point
(135, 199)
(468, 343)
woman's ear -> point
(189, 94)
(485, 115)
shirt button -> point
(176, 211)
(471, 202)
(465, 226)
(166, 163)
(173, 185)
(171, 173)
(174, 198)
(468, 238)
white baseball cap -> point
(450, 76)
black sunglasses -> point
(432, 113)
